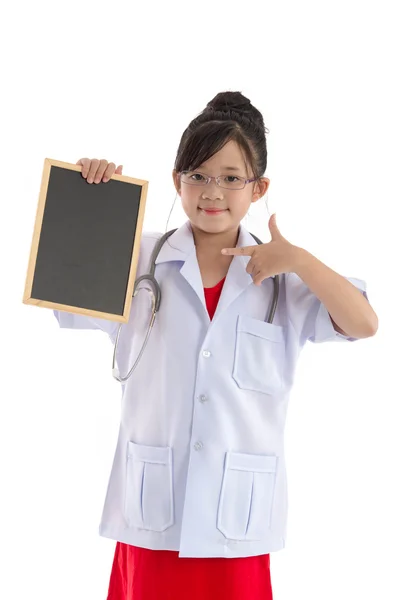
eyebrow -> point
(226, 168)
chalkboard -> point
(86, 242)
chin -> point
(217, 224)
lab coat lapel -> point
(180, 246)
(191, 272)
(237, 278)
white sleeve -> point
(307, 314)
(68, 320)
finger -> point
(109, 172)
(254, 270)
(94, 165)
(100, 170)
(250, 267)
(244, 251)
(258, 278)
(85, 164)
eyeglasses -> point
(228, 182)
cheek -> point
(240, 206)
(189, 198)
(189, 203)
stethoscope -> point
(155, 291)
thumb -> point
(273, 227)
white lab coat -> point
(199, 465)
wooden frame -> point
(28, 299)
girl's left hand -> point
(274, 257)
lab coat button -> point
(206, 353)
(198, 445)
(203, 398)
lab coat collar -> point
(180, 247)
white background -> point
(122, 81)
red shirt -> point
(142, 574)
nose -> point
(212, 189)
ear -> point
(177, 181)
(260, 188)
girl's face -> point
(234, 204)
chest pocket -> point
(259, 355)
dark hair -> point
(228, 116)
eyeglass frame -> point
(217, 178)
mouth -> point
(213, 211)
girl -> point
(197, 496)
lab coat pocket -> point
(259, 355)
(247, 494)
(149, 497)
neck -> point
(212, 243)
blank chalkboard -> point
(86, 242)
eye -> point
(196, 176)
(231, 178)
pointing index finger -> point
(241, 250)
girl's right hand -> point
(96, 170)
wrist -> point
(301, 258)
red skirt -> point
(142, 574)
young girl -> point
(197, 496)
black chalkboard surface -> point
(86, 243)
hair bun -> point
(230, 102)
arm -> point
(350, 312)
